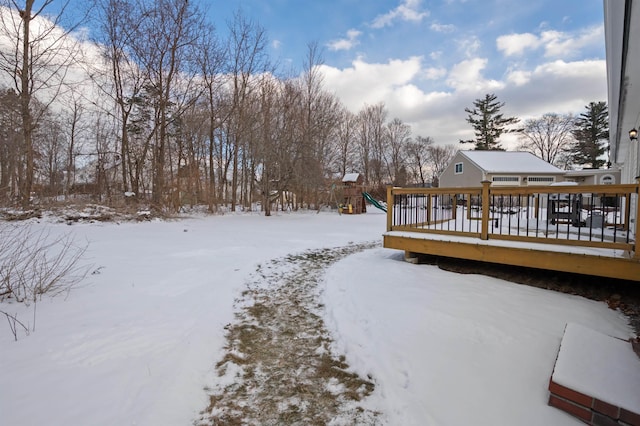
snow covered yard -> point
(138, 342)
(453, 349)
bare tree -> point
(317, 123)
(105, 160)
(417, 154)
(165, 49)
(439, 158)
(190, 152)
(11, 154)
(290, 133)
(122, 79)
(399, 135)
(247, 58)
(50, 144)
(346, 132)
(36, 60)
(74, 130)
(371, 141)
(211, 63)
(267, 153)
(549, 137)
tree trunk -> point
(25, 101)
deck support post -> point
(411, 257)
(484, 233)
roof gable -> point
(509, 162)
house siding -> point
(622, 35)
(471, 174)
(594, 177)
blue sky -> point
(441, 31)
(428, 60)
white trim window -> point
(458, 168)
(505, 180)
(607, 180)
(541, 180)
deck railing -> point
(594, 216)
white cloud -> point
(442, 28)
(467, 76)
(556, 44)
(434, 73)
(469, 47)
(559, 86)
(577, 69)
(516, 44)
(345, 43)
(556, 86)
(276, 44)
(370, 82)
(563, 45)
(518, 77)
(408, 10)
(436, 55)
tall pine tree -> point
(591, 134)
(488, 123)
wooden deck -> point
(576, 229)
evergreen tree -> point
(591, 134)
(488, 123)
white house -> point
(593, 176)
(469, 168)
(622, 35)
(622, 38)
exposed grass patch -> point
(279, 359)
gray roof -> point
(510, 162)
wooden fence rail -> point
(602, 216)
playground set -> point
(354, 196)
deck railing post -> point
(454, 207)
(636, 243)
(389, 207)
(627, 211)
(484, 233)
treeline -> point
(172, 115)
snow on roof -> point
(351, 177)
(564, 183)
(591, 172)
(510, 162)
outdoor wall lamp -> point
(633, 134)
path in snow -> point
(278, 367)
